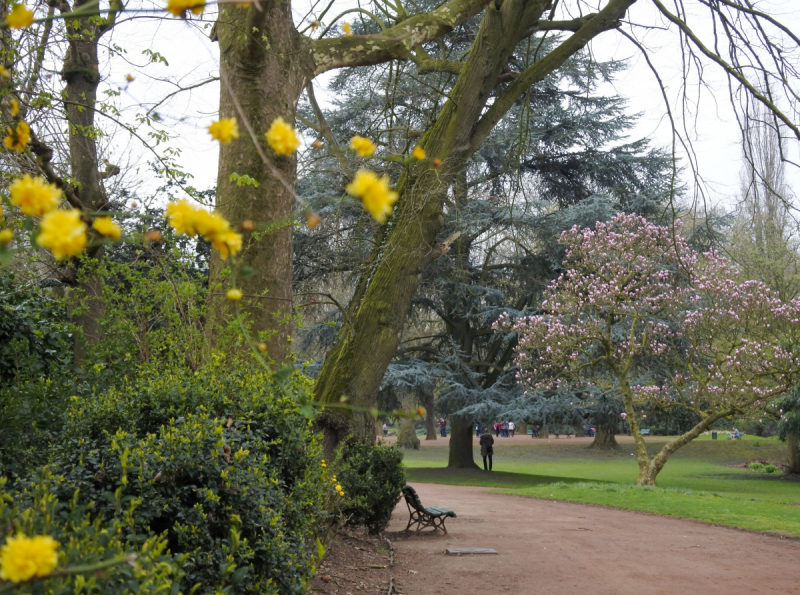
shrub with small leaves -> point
(371, 477)
(93, 555)
(221, 463)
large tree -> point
(639, 315)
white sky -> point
(193, 57)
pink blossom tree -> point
(640, 315)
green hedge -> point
(371, 477)
(221, 463)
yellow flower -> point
(5, 72)
(18, 137)
(107, 227)
(225, 130)
(179, 7)
(374, 193)
(234, 295)
(282, 138)
(14, 107)
(6, 235)
(19, 17)
(324, 465)
(34, 196)
(208, 224)
(129, 78)
(22, 558)
(338, 488)
(421, 411)
(227, 243)
(363, 146)
(418, 153)
(347, 30)
(181, 216)
(63, 233)
(341, 494)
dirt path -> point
(563, 548)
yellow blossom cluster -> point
(282, 137)
(34, 196)
(234, 295)
(22, 558)
(18, 137)
(14, 107)
(338, 488)
(363, 146)
(4, 72)
(347, 29)
(225, 130)
(418, 153)
(63, 233)
(19, 17)
(178, 8)
(374, 193)
(186, 218)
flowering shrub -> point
(222, 463)
(640, 315)
(39, 535)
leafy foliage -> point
(87, 540)
(222, 462)
(371, 476)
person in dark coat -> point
(487, 448)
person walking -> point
(497, 427)
(478, 429)
(487, 448)
(443, 427)
(511, 427)
(505, 429)
(385, 430)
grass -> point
(701, 481)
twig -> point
(391, 586)
(391, 550)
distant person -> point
(534, 431)
(487, 448)
(478, 429)
(511, 427)
(385, 430)
(443, 427)
(504, 429)
(497, 427)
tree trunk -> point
(604, 439)
(792, 441)
(81, 73)
(257, 85)
(461, 456)
(407, 243)
(430, 417)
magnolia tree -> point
(639, 315)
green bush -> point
(222, 463)
(83, 541)
(371, 477)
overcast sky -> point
(193, 58)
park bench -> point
(645, 432)
(424, 516)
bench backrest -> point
(412, 498)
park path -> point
(564, 548)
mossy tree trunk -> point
(408, 242)
(265, 64)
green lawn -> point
(700, 481)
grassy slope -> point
(698, 482)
